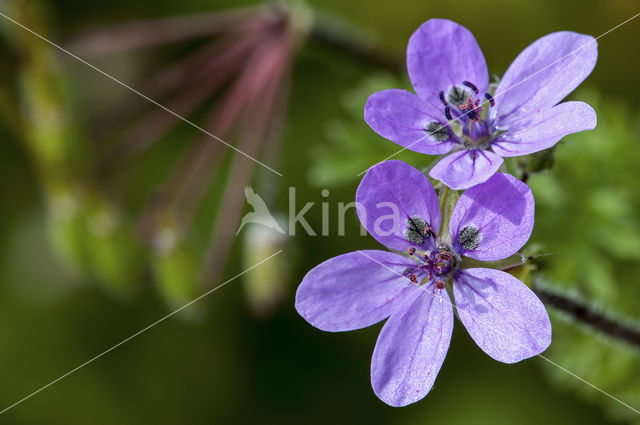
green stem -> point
(448, 200)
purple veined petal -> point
(545, 129)
(544, 74)
(441, 54)
(502, 315)
(493, 220)
(411, 347)
(395, 204)
(354, 290)
(409, 121)
(466, 168)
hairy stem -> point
(585, 314)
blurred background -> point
(114, 213)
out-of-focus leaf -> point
(266, 285)
(352, 146)
(176, 267)
(116, 257)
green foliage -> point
(265, 286)
(115, 256)
(607, 364)
(176, 268)
(93, 236)
(586, 210)
(89, 232)
(352, 146)
(587, 220)
(66, 229)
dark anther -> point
(490, 99)
(411, 251)
(439, 284)
(437, 131)
(441, 94)
(413, 278)
(447, 113)
(471, 86)
(457, 95)
(415, 230)
(469, 237)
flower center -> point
(468, 113)
(435, 265)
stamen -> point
(447, 113)
(437, 131)
(457, 95)
(439, 284)
(471, 86)
(441, 94)
(411, 251)
(490, 99)
(472, 107)
(469, 237)
(415, 230)
(413, 278)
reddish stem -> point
(156, 32)
(265, 89)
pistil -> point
(435, 266)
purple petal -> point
(546, 129)
(493, 220)
(466, 168)
(353, 290)
(543, 74)
(394, 196)
(411, 347)
(502, 315)
(407, 120)
(441, 54)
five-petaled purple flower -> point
(454, 111)
(490, 222)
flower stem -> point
(586, 315)
(448, 200)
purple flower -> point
(490, 221)
(453, 110)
